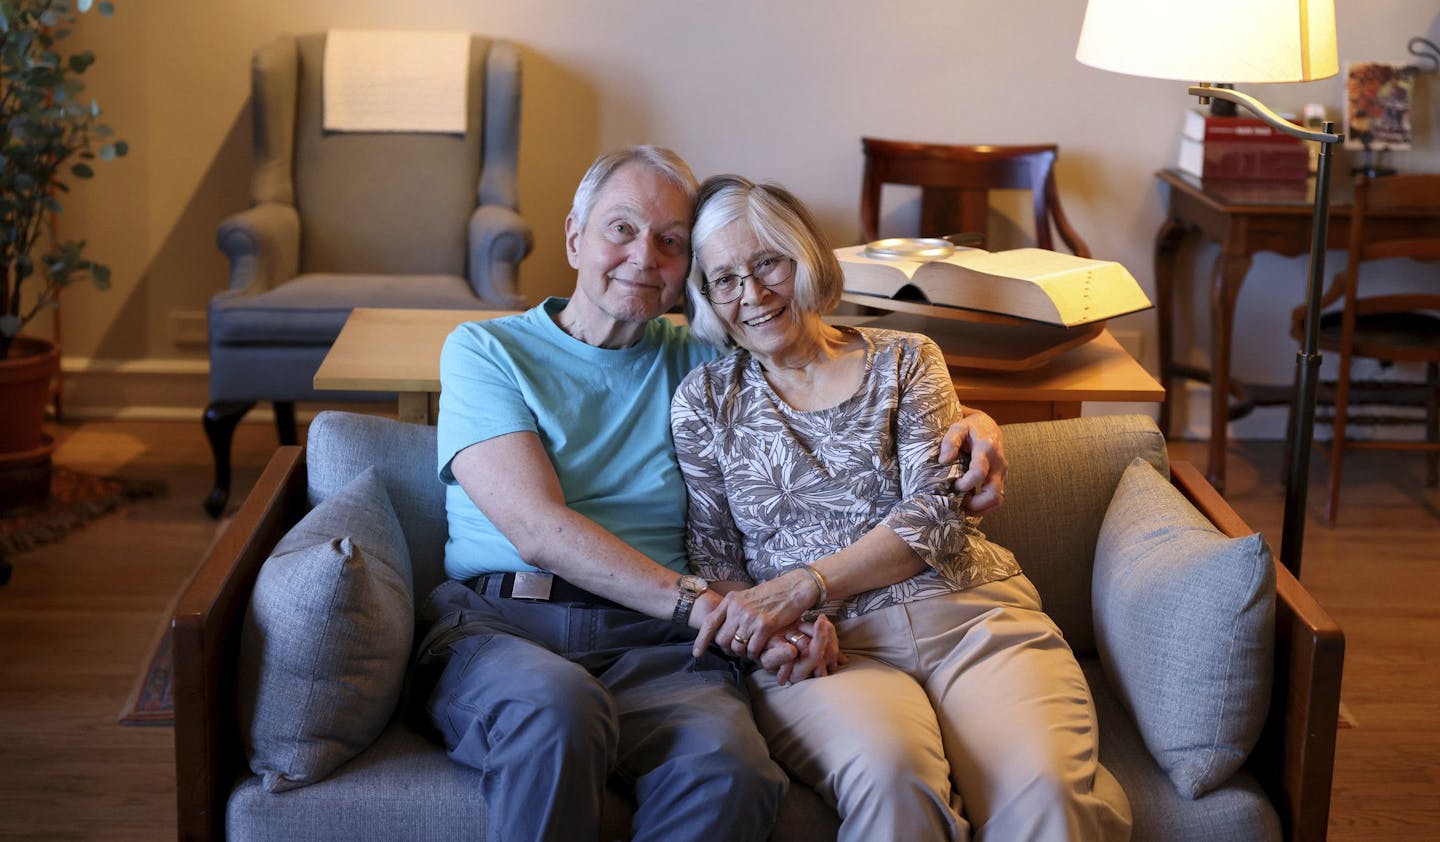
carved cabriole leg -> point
(1337, 426)
(221, 417)
(1228, 274)
(1167, 248)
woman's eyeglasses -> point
(769, 271)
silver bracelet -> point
(819, 583)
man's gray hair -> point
(658, 159)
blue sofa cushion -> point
(1062, 475)
(405, 787)
(342, 444)
(1184, 622)
(1236, 809)
(327, 638)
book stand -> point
(978, 340)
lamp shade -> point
(1211, 40)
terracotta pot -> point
(25, 450)
(25, 378)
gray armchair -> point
(346, 220)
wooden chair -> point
(955, 184)
(1388, 327)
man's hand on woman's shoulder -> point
(976, 434)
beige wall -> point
(771, 89)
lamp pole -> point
(1307, 360)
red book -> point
(1207, 127)
(1244, 160)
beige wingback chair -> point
(341, 220)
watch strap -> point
(685, 601)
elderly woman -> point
(809, 454)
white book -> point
(1029, 283)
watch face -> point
(693, 584)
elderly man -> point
(560, 650)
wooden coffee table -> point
(386, 350)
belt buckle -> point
(534, 586)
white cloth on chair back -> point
(388, 81)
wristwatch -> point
(690, 589)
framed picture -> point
(1378, 97)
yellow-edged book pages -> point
(1039, 284)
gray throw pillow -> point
(1184, 621)
(327, 638)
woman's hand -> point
(805, 650)
(746, 620)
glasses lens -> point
(774, 271)
(770, 271)
(723, 290)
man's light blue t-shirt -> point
(602, 415)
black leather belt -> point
(537, 587)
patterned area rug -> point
(152, 701)
(75, 499)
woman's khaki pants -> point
(963, 706)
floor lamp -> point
(1230, 41)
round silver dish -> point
(910, 248)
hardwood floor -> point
(76, 621)
(78, 617)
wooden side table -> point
(1244, 218)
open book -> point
(1037, 284)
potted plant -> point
(50, 135)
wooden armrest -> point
(205, 642)
(1295, 758)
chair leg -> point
(221, 418)
(1432, 421)
(285, 422)
(1337, 442)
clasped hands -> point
(764, 623)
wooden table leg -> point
(1226, 277)
(414, 408)
(1167, 248)
(1065, 409)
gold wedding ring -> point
(795, 638)
(741, 640)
